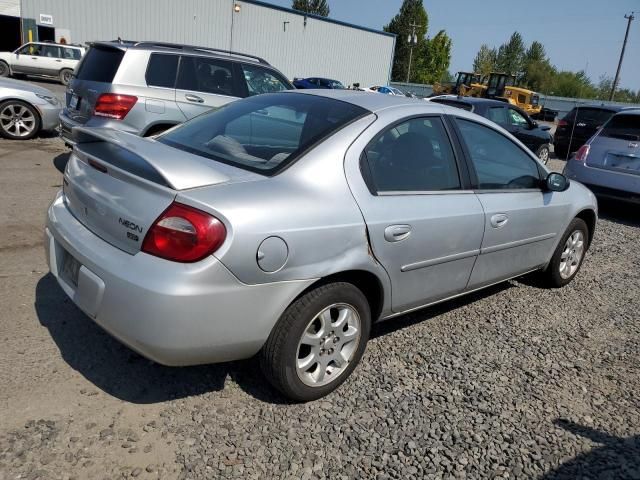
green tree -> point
(315, 7)
(573, 84)
(535, 53)
(411, 12)
(538, 73)
(511, 55)
(435, 57)
(485, 61)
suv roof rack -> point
(194, 48)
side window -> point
(415, 155)
(260, 80)
(522, 98)
(499, 163)
(517, 119)
(71, 53)
(32, 49)
(207, 75)
(51, 51)
(498, 115)
(161, 71)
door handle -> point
(499, 220)
(34, 58)
(58, 60)
(194, 98)
(395, 233)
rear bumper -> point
(48, 116)
(605, 183)
(67, 123)
(175, 314)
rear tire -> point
(569, 255)
(4, 69)
(543, 153)
(318, 341)
(65, 76)
(18, 120)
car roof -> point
(602, 106)
(70, 45)
(370, 101)
(629, 111)
(178, 47)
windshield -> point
(264, 133)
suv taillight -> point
(114, 105)
(184, 234)
(582, 153)
(562, 123)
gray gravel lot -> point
(512, 382)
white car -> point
(384, 89)
(42, 58)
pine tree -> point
(486, 59)
(411, 12)
(315, 7)
(511, 56)
(433, 65)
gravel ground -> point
(512, 382)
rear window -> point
(162, 70)
(623, 126)
(264, 133)
(591, 116)
(100, 64)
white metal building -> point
(297, 44)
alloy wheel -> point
(328, 344)
(572, 254)
(17, 120)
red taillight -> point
(562, 123)
(582, 153)
(184, 234)
(113, 105)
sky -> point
(577, 34)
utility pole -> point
(412, 41)
(629, 18)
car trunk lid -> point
(617, 146)
(118, 184)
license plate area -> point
(629, 163)
(74, 103)
(70, 269)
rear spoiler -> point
(146, 158)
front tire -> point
(569, 254)
(4, 69)
(317, 342)
(543, 153)
(18, 120)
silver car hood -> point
(24, 86)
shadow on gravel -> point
(619, 212)
(617, 458)
(60, 161)
(404, 321)
(124, 374)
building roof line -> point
(317, 17)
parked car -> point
(316, 82)
(513, 119)
(285, 224)
(42, 58)
(26, 109)
(384, 89)
(147, 87)
(579, 125)
(546, 115)
(609, 163)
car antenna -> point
(573, 127)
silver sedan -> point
(285, 224)
(26, 109)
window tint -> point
(453, 103)
(498, 115)
(624, 127)
(413, 156)
(499, 163)
(263, 133)
(162, 70)
(207, 75)
(51, 51)
(100, 64)
(260, 80)
(517, 119)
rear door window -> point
(71, 53)
(207, 75)
(100, 64)
(623, 127)
(260, 80)
(162, 70)
(498, 115)
(51, 51)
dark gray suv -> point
(147, 87)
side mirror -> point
(556, 182)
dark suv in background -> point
(147, 87)
(579, 125)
